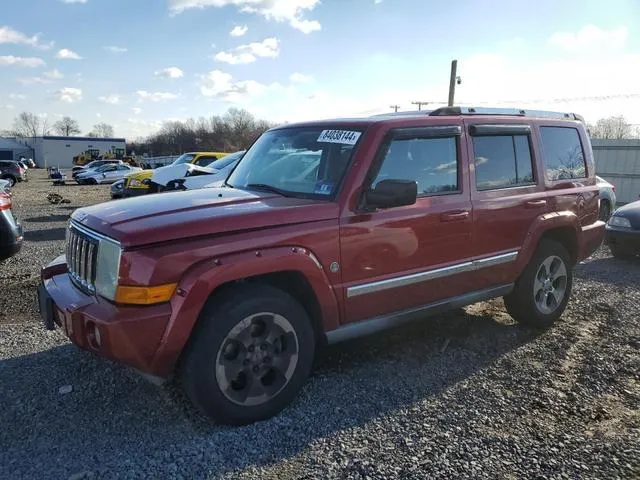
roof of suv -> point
(439, 113)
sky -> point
(137, 63)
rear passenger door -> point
(507, 195)
(403, 257)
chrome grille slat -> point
(82, 255)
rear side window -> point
(431, 162)
(502, 161)
(563, 154)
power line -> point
(419, 104)
(395, 108)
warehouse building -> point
(12, 149)
(618, 162)
(52, 151)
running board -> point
(384, 322)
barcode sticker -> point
(344, 137)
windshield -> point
(303, 161)
(184, 158)
(223, 162)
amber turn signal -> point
(145, 295)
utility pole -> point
(452, 81)
(419, 104)
(395, 108)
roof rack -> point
(447, 111)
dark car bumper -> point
(625, 240)
(126, 334)
(134, 192)
(10, 235)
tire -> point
(11, 179)
(534, 302)
(605, 210)
(92, 181)
(218, 367)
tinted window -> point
(502, 161)
(431, 162)
(563, 155)
(205, 161)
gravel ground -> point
(466, 395)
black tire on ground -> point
(93, 181)
(208, 347)
(534, 300)
(605, 210)
(10, 179)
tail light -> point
(5, 201)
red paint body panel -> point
(206, 238)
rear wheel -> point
(9, 178)
(250, 355)
(541, 293)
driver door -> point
(404, 257)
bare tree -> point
(30, 125)
(103, 130)
(616, 127)
(67, 127)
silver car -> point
(607, 198)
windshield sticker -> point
(324, 188)
(344, 137)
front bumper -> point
(134, 192)
(127, 334)
(624, 239)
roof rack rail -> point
(446, 111)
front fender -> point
(202, 279)
(541, 225)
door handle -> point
(454, 216)
(535, 204)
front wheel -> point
(251, 353)
(541, 293)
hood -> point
(630, 211)
(176, 215)
(164, 175)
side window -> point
(563, 155)
(431, 162)
(502, 161)
(205, 161)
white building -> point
(51, 151)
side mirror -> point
(392, 193)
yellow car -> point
(139, 183)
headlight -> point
(616, 221)
(108, 268)
(134, 182)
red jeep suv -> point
(323, 232)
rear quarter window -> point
(563, 153)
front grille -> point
(82, 257)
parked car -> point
(10, 229)
(106, 174)
(623, 231)
(117, 189)
(607, 198)
(76, 170)
(140, 183)
(191, 177)
(326, 231)
(12, 172)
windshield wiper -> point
(268, 188)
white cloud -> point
(300, 78)
(136, 110)
(99, 115)
(33, 81)
(268, 48)
(9, 106)
(590, 38)
(377, 2)
(73, 1)
(9, 35)
(290, 11)
(171, 72)
(69, 95)
(238, 30)
(31, 62)
(112, 99)
(114, 49)
(156, 96)
(221, 85)
(66, 54)
(54, 74)
(17, 96)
